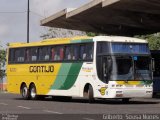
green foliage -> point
(2, 60)
(2, 56)
(91, 34)
(153, 40)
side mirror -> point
(153, 64)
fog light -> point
(119, 95)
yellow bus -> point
(91, 67)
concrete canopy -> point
(115, 17)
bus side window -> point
(19, 55)
(44, 53)
(89, 52)
(27, 55)
(57, 54)
(16, 52)
(83, 53)
(68, 53)
(11, 55)
(46, 57)
(34, 52)
(40, 50)
(47, 54)
(52, 54)
(75, 52)
(61, 53)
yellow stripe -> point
(128, 82)
(20, 73)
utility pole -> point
(28, 10)
(1, 73)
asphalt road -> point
(13, 105)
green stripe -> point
(72, 76)
(62, 75)
(147, 82)
(82, 41)
(67, 76)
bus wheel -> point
(125, 100)
(24, 92)
(90, 94)
(33, 92)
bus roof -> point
(119, 39)
(52, 41)
(79, 39)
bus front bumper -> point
(131, 93)
(127, 93)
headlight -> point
(119, 92)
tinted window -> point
(44, 54)
(75, 52)
(89, 51)
(83, 53)
(86, 52)
(103, 47)
(68, 53)
(27, 54)
(19, 55)
(57, 53)
(11, 55)
(34, 53)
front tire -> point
(25, 92)
(90, 94)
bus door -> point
(106, 68)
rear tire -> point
(24, 92)
(33, 92)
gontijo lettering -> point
(41, 69)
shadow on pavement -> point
(99, 101)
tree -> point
(2, 61)
(153, 40)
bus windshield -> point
(142, 68)
(122, 68)
(123, 61)
(129, 68)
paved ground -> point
(14, 105)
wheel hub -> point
(33, 93)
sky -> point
(13, 17)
